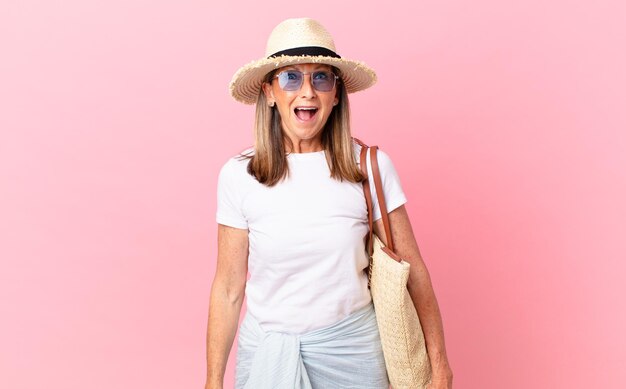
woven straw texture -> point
(401, 333)
(298, 32)
(245, 85)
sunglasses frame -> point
(336, 77)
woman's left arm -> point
(422, 293)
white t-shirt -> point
(307, 257)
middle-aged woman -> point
(291, 212)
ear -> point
(269, 93)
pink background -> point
(506, 123)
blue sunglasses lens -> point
(291, 80)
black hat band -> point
(307, 50)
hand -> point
(441, 380)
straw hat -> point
(295, 41)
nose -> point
(307, 90)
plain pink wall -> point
(506, 122)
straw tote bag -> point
(400, 330)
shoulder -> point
(236, 165)
(383, 158)
(239, 159)
(356, 146)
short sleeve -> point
(392, 188)
(229, 197)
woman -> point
(291, 212)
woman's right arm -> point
(227, 293)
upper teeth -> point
(308, 108)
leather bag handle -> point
(379, 194)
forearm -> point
(224, 314)
(423, 296)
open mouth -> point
(305, 113)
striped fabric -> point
(347, 354)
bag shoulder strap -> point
(379, 194)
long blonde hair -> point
(268, 163)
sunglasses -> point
(291, 80)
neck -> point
(304, 146)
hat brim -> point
(246, 83)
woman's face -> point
(303, 112)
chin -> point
(308, 132)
